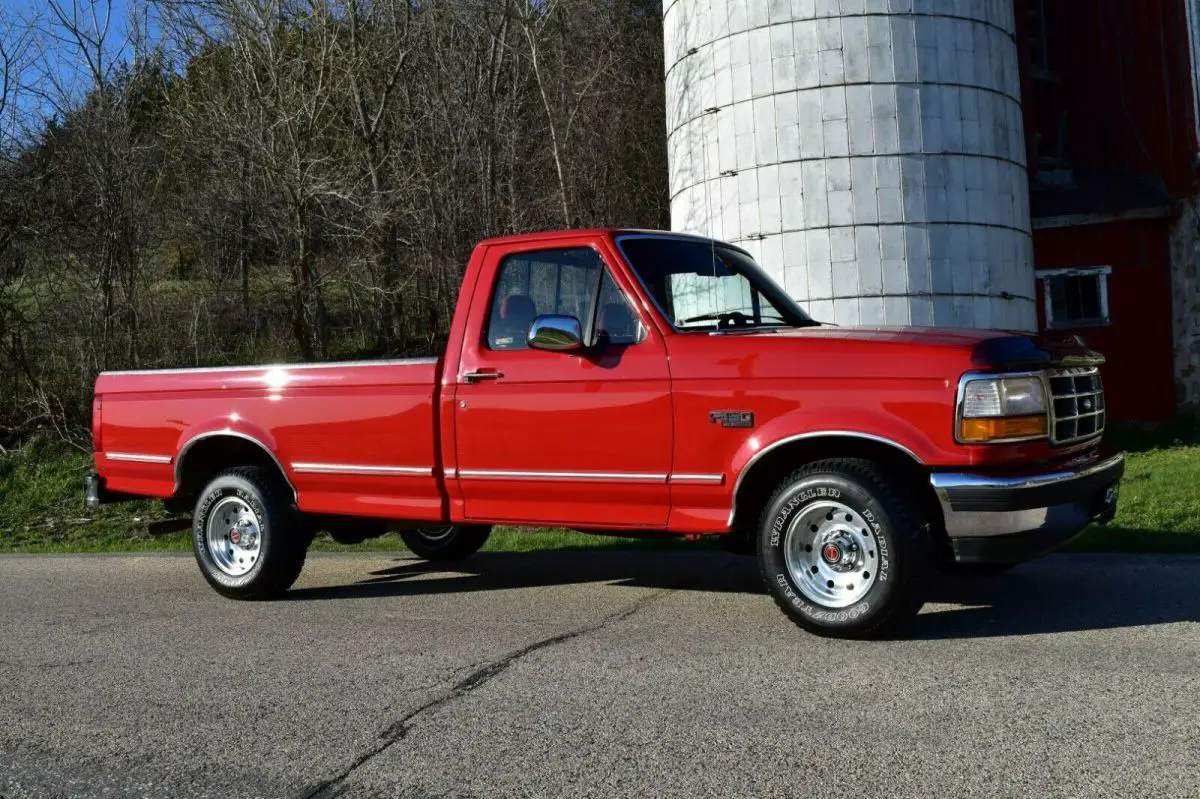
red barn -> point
(1110, 97)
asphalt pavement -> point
(590, 674)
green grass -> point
(41, 510)
(1159, 508)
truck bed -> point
(354, 438)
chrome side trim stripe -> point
(595, 477)
(706, 479)
(274, 367)
(137, 457)
(637, 477)
(349, 468)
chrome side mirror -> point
(556, 333)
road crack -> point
(398, 731)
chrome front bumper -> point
(1010, 518)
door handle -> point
(482, 374)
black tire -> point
(977, 571)
(284, 536)
(452, 542)
(897, 548)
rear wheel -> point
(449, 542)
(844, 550)
(247, 537)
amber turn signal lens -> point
(982, 430)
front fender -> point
(802, 424)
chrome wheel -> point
(233, 536)
(831, 553)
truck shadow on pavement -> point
(1061, 593)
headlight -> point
(996, 409)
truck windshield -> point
(706, 286)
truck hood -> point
(989, 349)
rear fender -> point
(241, 429)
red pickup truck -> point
(641, 382)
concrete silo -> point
(869, 153)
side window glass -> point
(616, 323)
(531, 284)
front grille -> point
(1078, 404)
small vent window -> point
(1075, 297)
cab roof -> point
(543, 235)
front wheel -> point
(450, 542)
(843, 549)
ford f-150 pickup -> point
(637, 382)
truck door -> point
(573, 438)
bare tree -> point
(249, 180)
(566, 87)
(378, 50)
(275, 106)
(17, 53)
(86, 30)
(103, 188)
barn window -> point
(1075, 297)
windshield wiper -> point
(721, 316)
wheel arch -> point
(206, 454)
(766, 468)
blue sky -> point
(59, 67)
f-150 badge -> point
(732, 418)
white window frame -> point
(1046, 275)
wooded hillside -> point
(199, 182)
